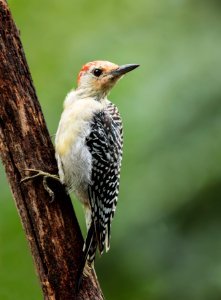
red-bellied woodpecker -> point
(88, 146)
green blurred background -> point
(166, 236)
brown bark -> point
(51, 228)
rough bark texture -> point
(51, 227)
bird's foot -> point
(87, 269)
(45, 176)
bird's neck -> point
(88, 92)
(82, 94)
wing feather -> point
(105, 143)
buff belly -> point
(75, 169)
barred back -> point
(105, 143)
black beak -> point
(123, 70)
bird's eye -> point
(97, 72)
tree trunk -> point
(51, 228)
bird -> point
(88, 149)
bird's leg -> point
(45, 176)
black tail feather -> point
(86, 250)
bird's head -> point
(96, 78)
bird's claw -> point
(45, 176)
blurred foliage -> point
(166, 234)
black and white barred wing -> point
(105, 143)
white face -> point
(97, 76)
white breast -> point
(73, 156)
